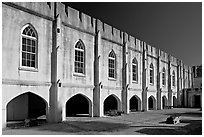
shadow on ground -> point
(194, 127)
(84, 126)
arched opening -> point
(174, 101)
(78, 106)
(135, 104)
(151, 103)
(110, 103)
(27, 105)
(164, 102)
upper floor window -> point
(29, 46)
(79, 62)
(151, 74)
(163, 77)
(173, 78)
(135, 70)
(111, 64)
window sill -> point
(151, 84)
(112, 79)
(136, 82)
(79, 75)
(28, 69)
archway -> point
(27, 105)
(135, 104)
(78, 106)
(152, 103)
(110, 103)
(164, 102)
(174, 101)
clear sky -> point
(175, 28)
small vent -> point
(80, 16)
(49, 4)
(91, 21)
(103, 27)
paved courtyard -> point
(136, 123)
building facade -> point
(59, 62)
(194, 94)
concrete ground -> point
(135, 123)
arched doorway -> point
(152, 103)
(78, 106)
(135, 104)
(110, 103)
(174, 101)
(164, 102)
(27, 105)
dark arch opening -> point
(174, 101)
(164, 102)
(27, 105)
(134, 104)
(77, 105)
(110, 103)
(151, 103)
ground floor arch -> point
(151, 103)
(111, 103)
(135, 104)
(164, 102)
(174, 101)
(26, 105)
(78, 105)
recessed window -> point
(173, 79)
(79, 62)
(29, 47)
(135, 70)
(163, 77)
(111, 64)
(151, 74)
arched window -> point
(79, 62)
(151, 74)
(173, 78)
(111, 64)
(135, 70)
(29, 46)
(163, 77)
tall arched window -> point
(151, 74)
(173, 78)
(29, 46)
(135, 70)
(79, 62)
(111, 64)
(163, 77)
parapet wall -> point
(76, 19)
(43, 8)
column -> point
(54, 114)
(144, 78)
(170, 103)
(97, 107)
(125, 75)
(158, 81)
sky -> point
(175, 28)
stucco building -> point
(59, 62)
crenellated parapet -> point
(151, 51)
(134, 44)
(164, 56)
(75, 19)
(110, 33)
